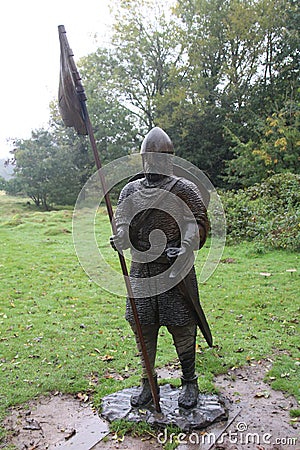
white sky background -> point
(30, 54)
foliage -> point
(277, 149)
(295, 412)
(225, 90)
(122, 427)
(45, 171)
(2, 183)
(258, 86)
(6, 170)
(203, 71)
(268, 213)
(148, 49)
(114, 129)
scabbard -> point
(196, 309)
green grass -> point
(253, 316)
(60, 332)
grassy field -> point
(60, 332)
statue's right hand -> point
(120, 241)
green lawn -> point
(60, 332)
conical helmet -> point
(157, 141)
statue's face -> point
(156, 164)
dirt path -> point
(259, 420)
(264, 421)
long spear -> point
(74, 113)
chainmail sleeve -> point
(190, 194)
(123, 214)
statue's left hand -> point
(184, 256)
(174, 252)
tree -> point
(192, 106)
(240, 72)
(147, 50)
(44, 171)
(268, 141)
(2, 183)
(114, 127)
(215, 74)
(277, 150)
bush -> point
(268, 212)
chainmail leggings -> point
(184, 339)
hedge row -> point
(268, 213)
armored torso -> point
(164, 207)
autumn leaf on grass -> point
(239, 350)
(113, 375)
(107, 358)
(291, 271)
(82, 397)
(199, 349)
(284, 375)
(265, 274)
(118, 438)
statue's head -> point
(157, 150)
(157, 141)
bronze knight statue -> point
(140, 211)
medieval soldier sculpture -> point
(139, 213)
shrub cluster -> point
(268, 212)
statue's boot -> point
(189, 395)
(144, 396)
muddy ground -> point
(259, 419)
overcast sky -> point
(30, 53)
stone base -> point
(209, 409)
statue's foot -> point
(145, 395)
(189, 396)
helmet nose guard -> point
(157, 141)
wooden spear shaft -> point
(82, 99)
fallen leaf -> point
(70, 434)
(32, 425)
(82, 397)
(115, 437)
(291, 270)
(285, 375)
(228, 260)
(261, 394)
(107, 358)
(113, 375)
